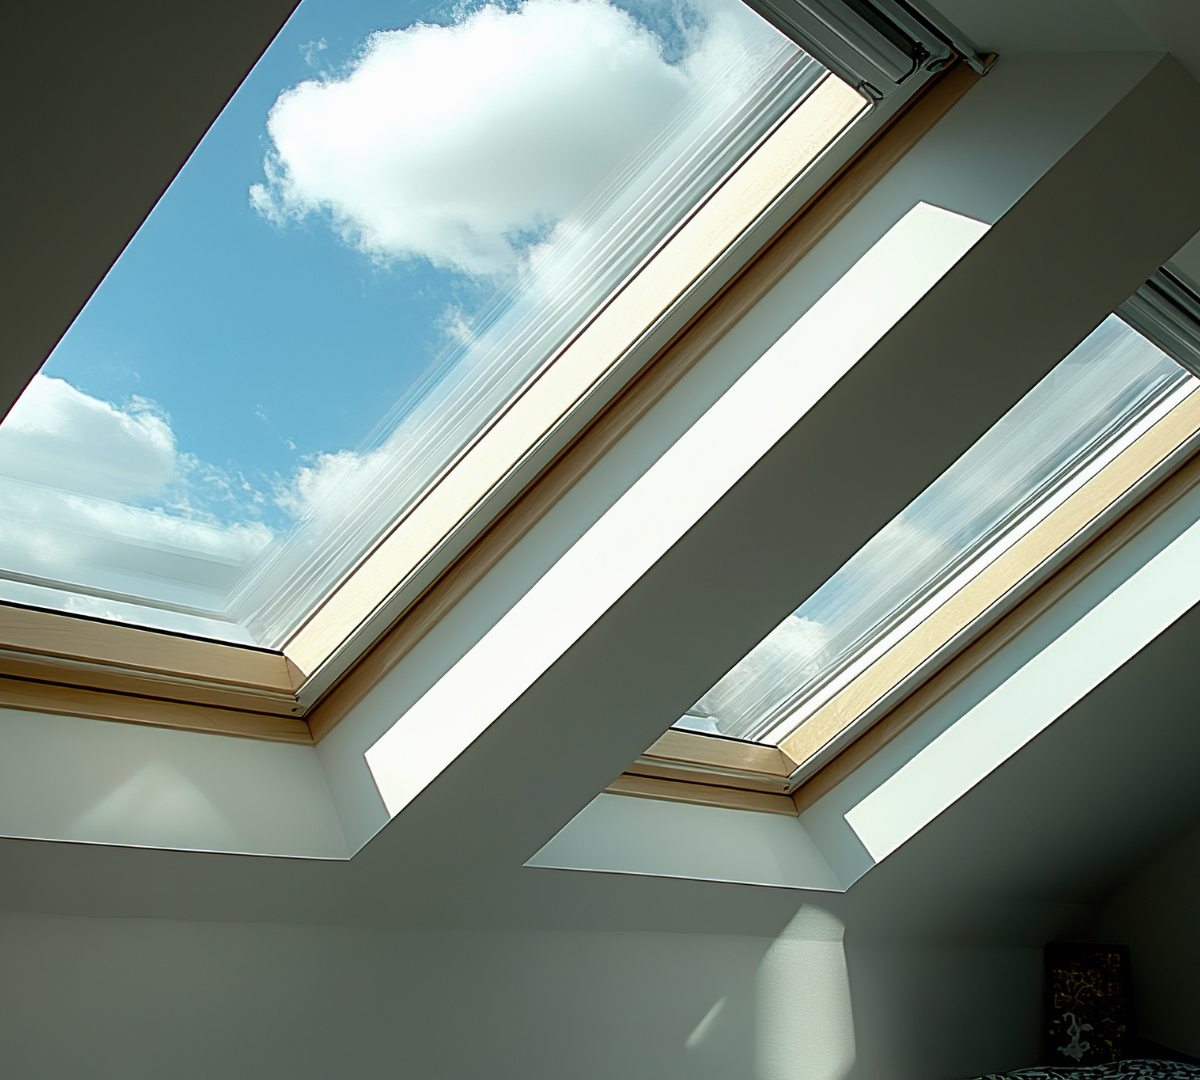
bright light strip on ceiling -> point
(1045, 686)
(757, 411)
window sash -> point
(1148, 475)
(875, 45)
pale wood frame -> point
(681, 761)
(79, 666)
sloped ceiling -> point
(113, 97)
(1081, 25)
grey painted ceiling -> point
(1028, 851)
(1010, 26)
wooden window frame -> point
(1139, 484)
(83, 666)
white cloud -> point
(99, 495)
(59, 436)
(462, 143)
(56, 525)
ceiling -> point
(1011, 26)
(113, 99)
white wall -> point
(68, 778)
(134, 999)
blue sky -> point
(256, 338)
(384, 175)
(267, 342)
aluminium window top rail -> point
(875, 45)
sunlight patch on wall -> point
(804, 1018)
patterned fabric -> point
(1149, 1070)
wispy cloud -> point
(310, 50)
(790, 654)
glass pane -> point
(1061, 433)
(402, 213)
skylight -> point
(803, 685)
(394, 227)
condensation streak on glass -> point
(387, 233)
(1061, 433)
